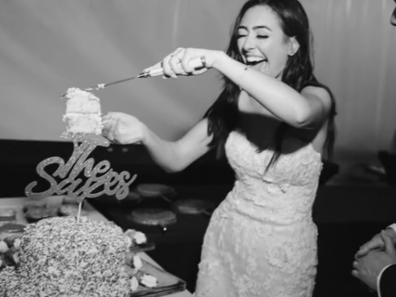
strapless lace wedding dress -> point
(261, 240)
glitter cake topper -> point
(100, 176)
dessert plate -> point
(167, 283)
(144, 247)
(154, 190)
(153, 216)
(192, 206)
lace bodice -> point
(261, 240)
(286, 191)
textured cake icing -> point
(83, 112)
(60, 257)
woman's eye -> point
(241, 35)
(262, 36)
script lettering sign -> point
(100, 179)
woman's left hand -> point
(178, 62)
(123, 128)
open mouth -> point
(253, 61)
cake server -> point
(195, 63)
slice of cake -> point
(83, 112)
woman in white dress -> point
(273, 120)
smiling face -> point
(262, 43)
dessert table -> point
(17, 204)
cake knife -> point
(195, 63)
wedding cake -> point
(83, 112)
(62, 257)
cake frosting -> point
(60, 257)
(83, 112)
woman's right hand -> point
(123, 128)
(177, 63)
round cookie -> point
(153, 216)
(192, 206)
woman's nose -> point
(249, 43)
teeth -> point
(254, 59)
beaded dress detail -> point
(261, 240)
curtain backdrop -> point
(47, 46)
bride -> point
(274, 122)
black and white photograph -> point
(185, 148)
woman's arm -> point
(307, 109)
(177, 155)
(171, 156)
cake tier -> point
(80, 101)
(83, 123)
(60, 257)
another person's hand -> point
(375, 243)
(123, 128)
(178, 62)
(367, 268)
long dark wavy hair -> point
(223, 114)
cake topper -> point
(99, 179)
